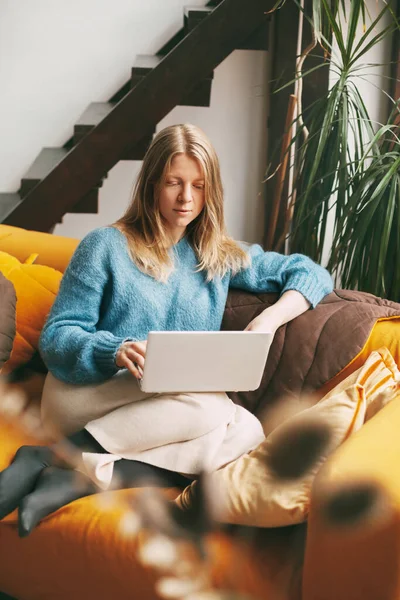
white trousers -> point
(186, 433)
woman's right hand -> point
(131, 356)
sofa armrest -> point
(353, 541)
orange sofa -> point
(84, 551)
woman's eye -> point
(199, 186)
(172, 183)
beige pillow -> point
(252, 491)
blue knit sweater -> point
(104, 299)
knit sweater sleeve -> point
(71, 345)
(272, 272)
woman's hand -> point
(264, 323)
(289, 306)
(131, 356)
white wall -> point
(56, 57)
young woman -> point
(167, 264)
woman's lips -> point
(182, 212)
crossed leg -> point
(35, 485)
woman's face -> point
(182, 195)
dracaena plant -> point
(366, 245)
(346, 166)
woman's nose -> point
(186, 195)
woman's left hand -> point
(264, 323)
(289, 306)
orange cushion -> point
(36, 287)
(79, 552)
(385, 333)
(83, 551)
(358, 560)
(53, 250)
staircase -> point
(68, 179)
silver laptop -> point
(204, 361)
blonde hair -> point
(142, 223)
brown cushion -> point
(7, 318)
(309, 351)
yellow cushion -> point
(85, 538)
(361, 557)
(251, 491)
(385, 333)
(83, 551)
(36, 287)
(53, 250)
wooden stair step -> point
(45, 162)
(178, 37)
(172, 43)
(8, 202)
(92, 116)
(194, 16)
(147, 61)
(201, 10)
(144, 64)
